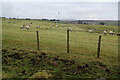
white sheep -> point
(111, 32)
(37, 26)
(105, 32)
(57, 25)
(63, 25)
(21, 27)
(51, 26)
(90, 31)
(27, 27)
(70, 29)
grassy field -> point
(22, 60)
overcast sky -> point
(67, 10)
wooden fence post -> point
(37, 40)
(68, 41)
(99, 44)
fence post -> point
(68, 41)
(37, 40)
(99, 44)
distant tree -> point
(102, 23)
(80, 22)
(52, 19)
(3, 17)
(14, 18)
(45, 19)
(27, 18)
(57, 20)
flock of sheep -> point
(26, 27)
(105, 32)
(110, 32)
(38, 26)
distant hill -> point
(90, 22)
(93, 22)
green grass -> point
(83, 49)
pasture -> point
(83, 50)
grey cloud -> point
(70, 10)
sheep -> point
(57, 25)
(70, 29)
(90, 31)
(63, 25)
(111, 32)
(21, 27)
(105, 32)
(37, 26)
(51, 26)
(27, 27)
